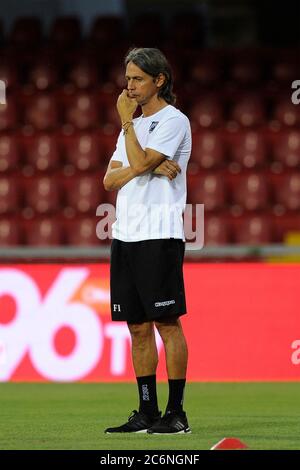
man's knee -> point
(140, 330)
(167, 326)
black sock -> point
(176, 393)
(148, 395)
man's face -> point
(140, 85)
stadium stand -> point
(59, 127)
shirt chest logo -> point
(153, 126)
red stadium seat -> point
(83, 75)
(246, 150)
(43, 76)
(42, 152)
(286, 113)
(83, 112)
(207, 112)
(81, 231)
(43, 195)
(208, 189)
(9, 73)
(253, 230)
(285, 224)
(248, 111)
(26, 31)
(245, 73)
(42, 112)
(249, 192)
(207, 150)
(9, 194)
(286, 149)
(9, 152)
(8, 115)
(10, 234)
(65, 31)
(287, 192)
(43, 232)
(83, 151)
(83, 194)
(204, 72)
(216, 230)
(284, 71)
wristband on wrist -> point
(126, 126)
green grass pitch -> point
(74, 416)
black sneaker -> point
(138, 422)
(173, 422)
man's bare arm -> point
(117, 176)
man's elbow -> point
(107, 185)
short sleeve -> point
(167, 137)
(118, 154)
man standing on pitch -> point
(148, 168)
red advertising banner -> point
(243, 324)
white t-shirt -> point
(151, 206)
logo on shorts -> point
(163, 304)
(117, 308)
(153, 126)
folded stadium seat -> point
(42, 152)
(42, 76)
(41, 113)
(82, 75)
(83, 151)
(10, 194)
(208, 151)
(247, 149)
(9, 116)
(254, 229)
(285, 149)
(107, 30)
(286, 187)
(9, 152)
(81, 231)
(208, 189)
(285, 113)
(206, 112)
(83, 193)
(247, 111)
(26, 32)
(249, 192)
(65, 32)
(82, 112)
(42, 195)
(216, 230)
(43, 231)
(9, 72)
(10, 233)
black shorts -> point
(146, 280)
